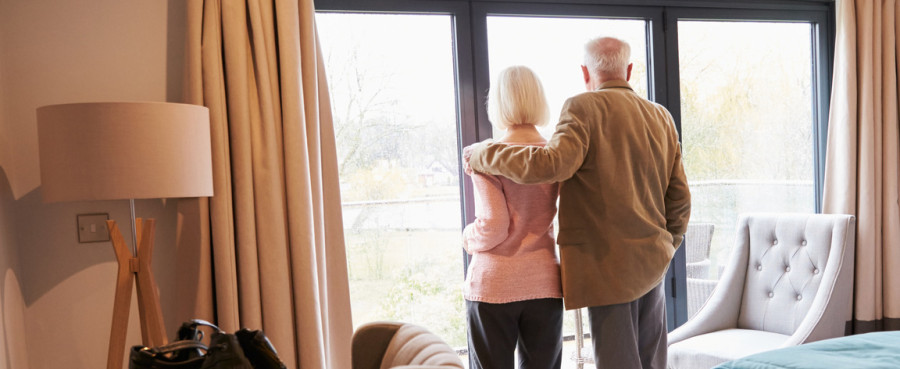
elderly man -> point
(623, 208)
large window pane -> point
(394, 100)
(554, 49)
(747, 119)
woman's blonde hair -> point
(517, 97)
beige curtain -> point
(267, 251)
(862, 166)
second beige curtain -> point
(863, 164)
(267, 250)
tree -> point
(366, 120)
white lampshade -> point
(124, 150)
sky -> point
(416, 50)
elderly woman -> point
(512, 289)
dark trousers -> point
(631, 335)
(495, 330)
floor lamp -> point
(126, 150)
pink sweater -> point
(511, 242)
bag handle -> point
(199, 322)
(176, 346)
(190, 330)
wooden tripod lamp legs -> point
(134, 268)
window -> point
(747, 131)
(553, 48)
(395, 125)
(409, 78)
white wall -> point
(61, 51)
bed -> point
(861, 351)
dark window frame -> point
(471, 66)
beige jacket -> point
(624, 202)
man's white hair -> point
(607, 55)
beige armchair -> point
(383, 345)
(789, 281)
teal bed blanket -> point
(861, 351)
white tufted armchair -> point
(789, 281)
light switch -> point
(92, 228)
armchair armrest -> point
(370, 342)
(699, 269)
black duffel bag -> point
(245, 349)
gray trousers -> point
(496, 329)
(631, 335)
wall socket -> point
(92, 227)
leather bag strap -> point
(177, 346)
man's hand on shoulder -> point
(467, 154)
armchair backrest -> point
(794, 264)
(383, 345)
(414, 346)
